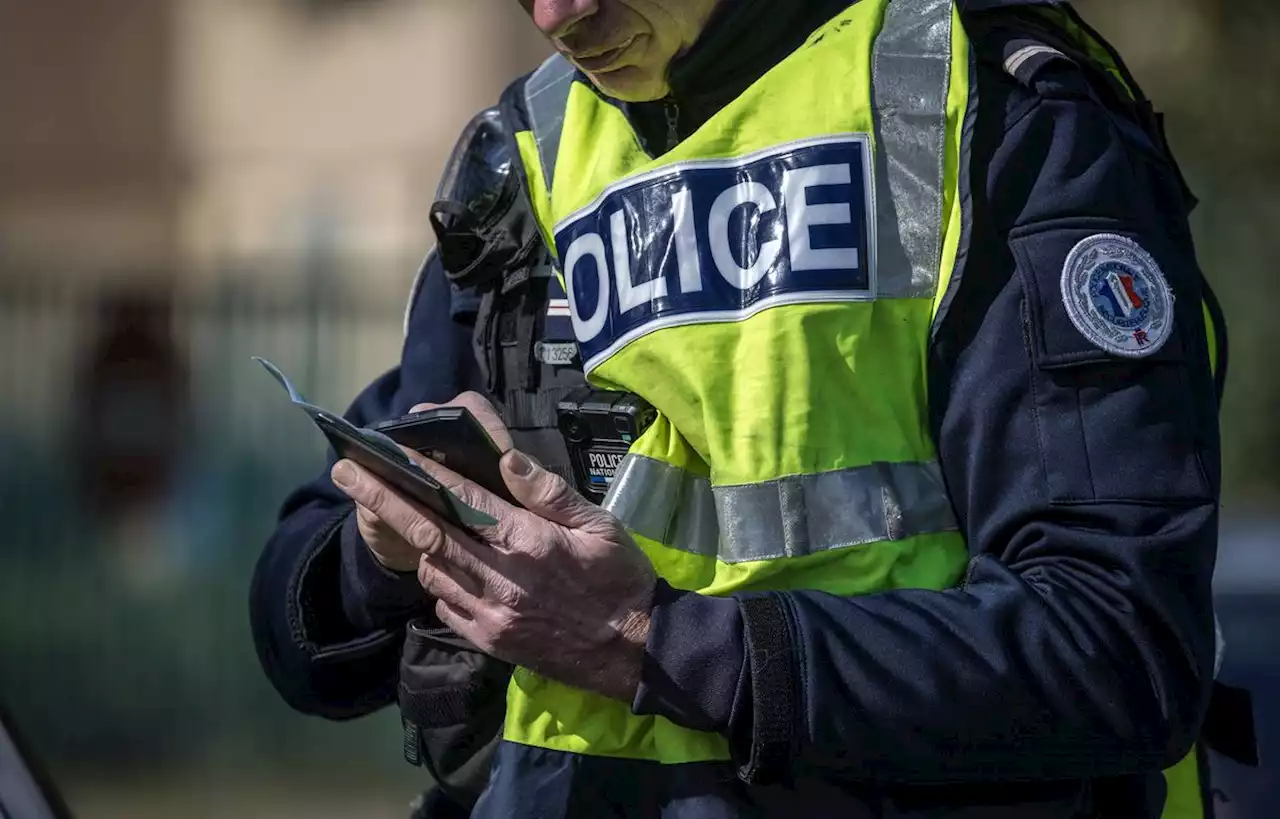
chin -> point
(632, 84)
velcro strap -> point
(533, 309)
(773, 684)
(444, 706)
(484, 341)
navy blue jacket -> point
(1080, 644)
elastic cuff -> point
(694, 660)
(373, 596)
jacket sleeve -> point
(328, 620)
(1080, 642)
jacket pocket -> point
(453, 704)
(1111, 428)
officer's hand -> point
(386, 544)
(558, 587)
(483, 411)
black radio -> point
(599, 428)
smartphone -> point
(452, 437)
(381, 456)
(389, 463)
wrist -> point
(625, 664)
(695, 670)
(373, 595)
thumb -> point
(545, 493)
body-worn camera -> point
(599, 428)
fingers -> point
(467, 491)
(386, 545)
(481, 627)
(488, 417)
(484, 412)
(461, 591)
(463, 624)
(419, 528)
(369, 522)
(548, 495)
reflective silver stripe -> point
(790, 517)
(546, 99)
(911, 81)
(665, 503)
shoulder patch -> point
(1117, 297)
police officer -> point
(926, 522)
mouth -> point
(602, 60)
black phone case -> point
(408, 480)
(453, 438)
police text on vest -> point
(719, 241)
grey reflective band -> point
(546, 99)
(790, 517)
(665, 503)
(911, 81)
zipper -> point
(672, 110)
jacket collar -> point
(746, 37)
(743, 41)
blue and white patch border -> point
(1106, 250)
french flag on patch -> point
(558, 308)
(1126, 297)
(558, 305)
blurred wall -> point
(151, 134)
(88, 156)
(326, 130)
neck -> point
(744, 39)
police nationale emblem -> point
(1117, 297)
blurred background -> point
(187, 183)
